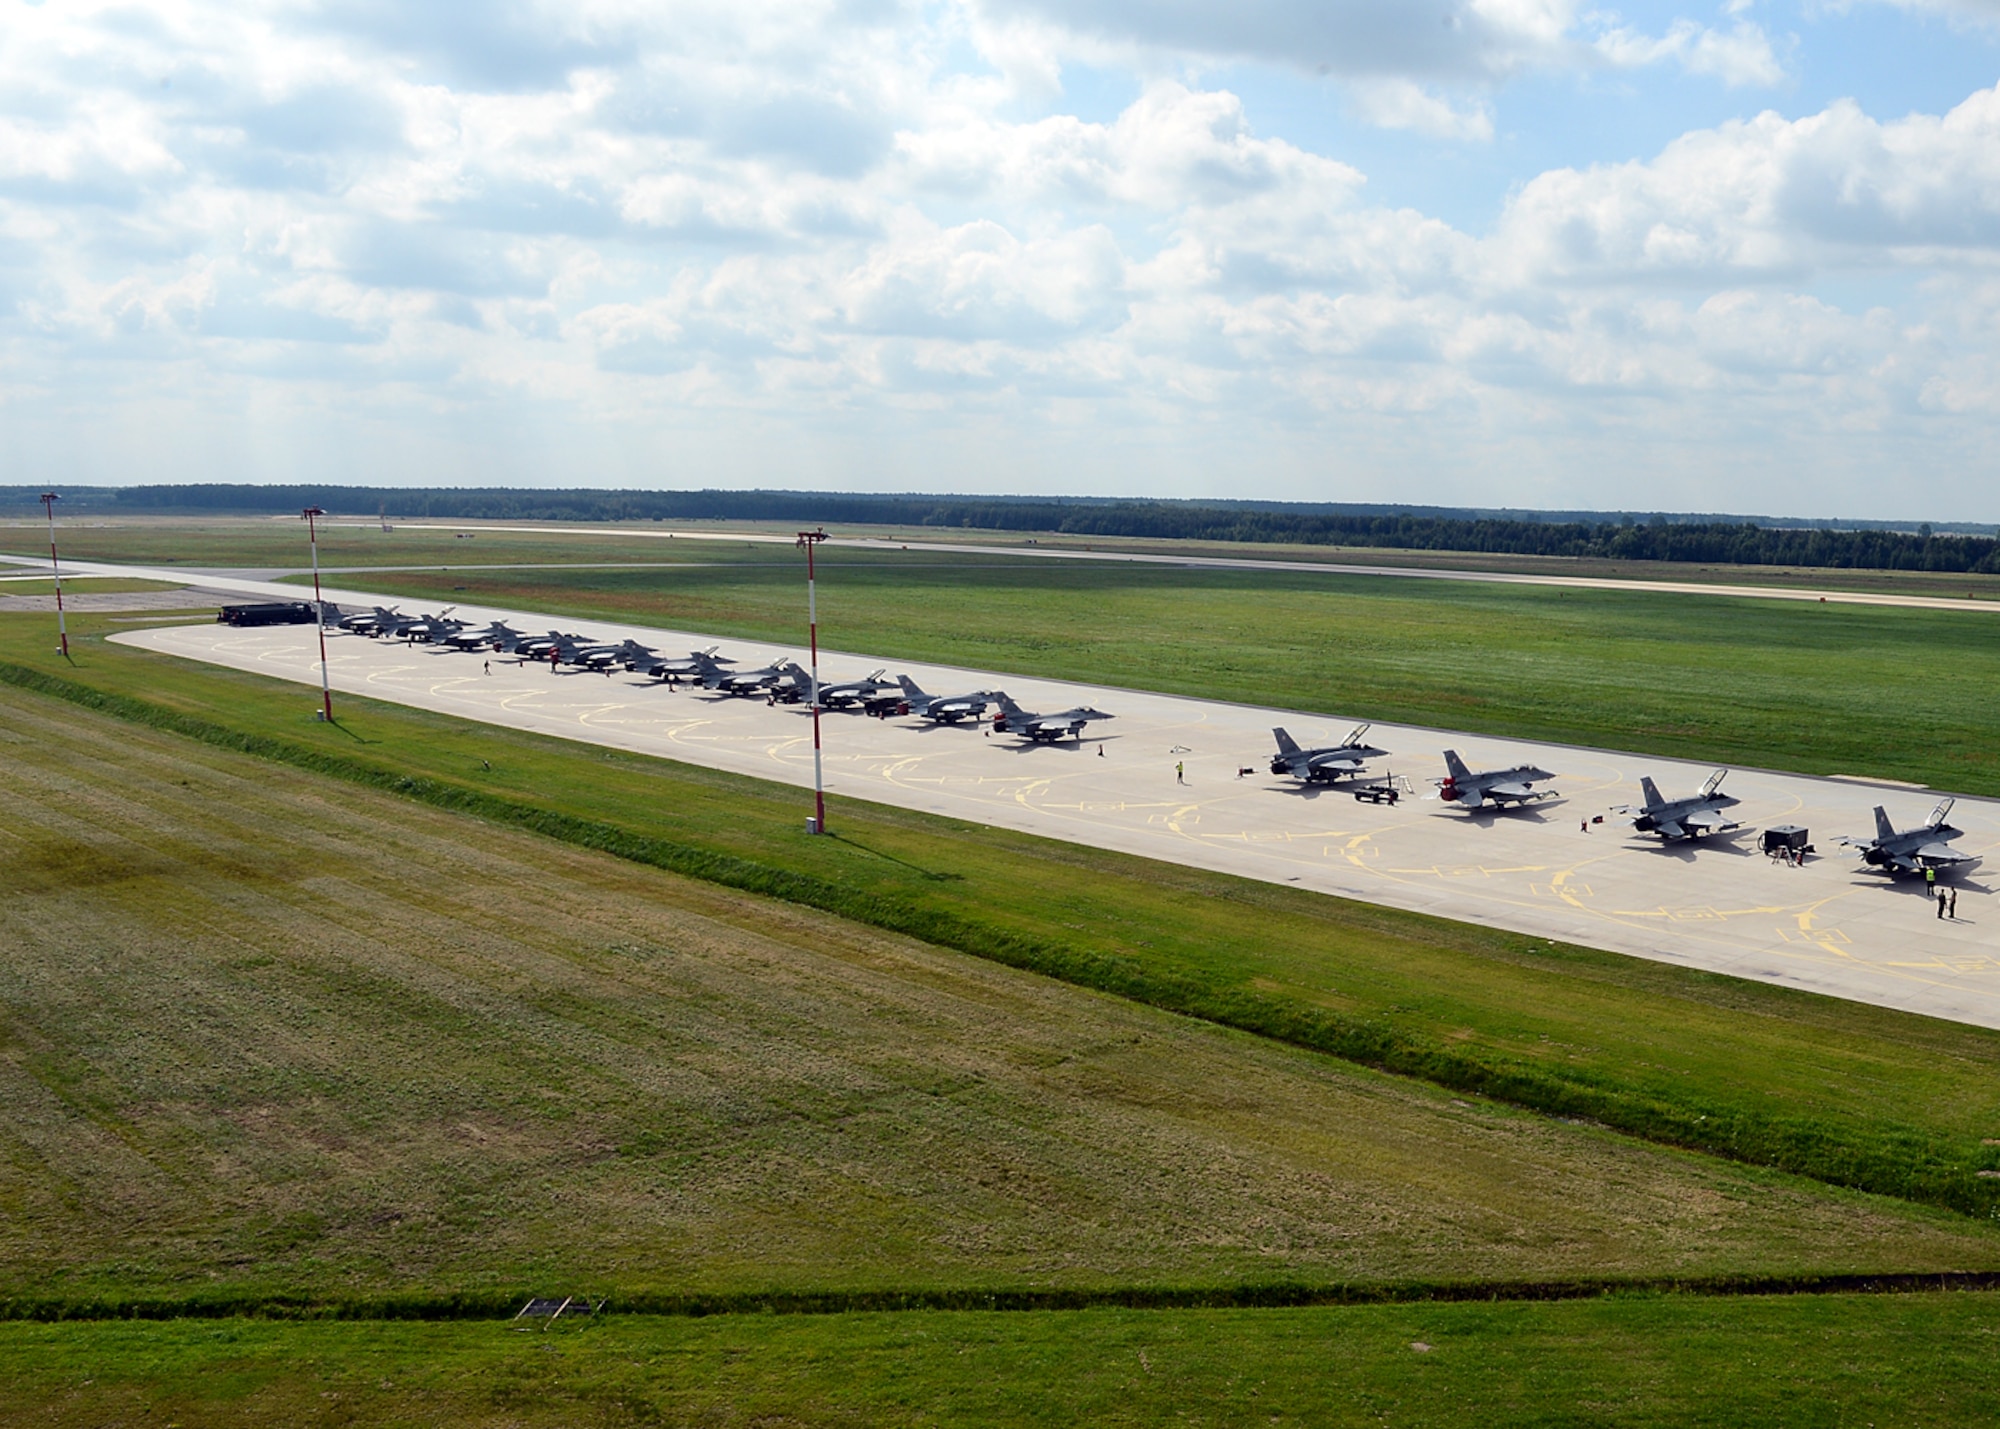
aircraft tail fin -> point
(1883, 828)
(1286, 744)
(1651, 791)
(910, 688)
(1455, 766)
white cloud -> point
(1833, 189)
(1740, 56)
(598, 234)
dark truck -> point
(283, 612)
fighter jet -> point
(854, 692)
(945, 709)
(696, 663)
(431, 628)
(632, 655)
(1912, 850)
(1323, 766)
(793, 684)
(381, 620)
(1043, 729)
(1683, 818)
(495, 636)
(743, 682)
(1498, 787)
(537, 647)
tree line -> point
(1705, 542)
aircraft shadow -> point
(1530, 813)
(1067, 746)
(1686, 850)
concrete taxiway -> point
(1830, 927)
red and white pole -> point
(312, 515)
(49, 500)
(810, 539)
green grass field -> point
(278, 1030)
(1810, 1362)
(1825, 689)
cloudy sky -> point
(1739, 257)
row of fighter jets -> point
(1894, 851)
(1913, 850)
(782, 682)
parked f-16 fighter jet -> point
(382, 620)
(1323, 766)
(537, 647)
(1683, 818)
(692, 667)
(1043, 729)
(431, 628)
(1912, 850)
(743, 682)
(854, 692)
(497, 635)
(945, 709)
(1499, 787)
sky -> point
(1725, 257)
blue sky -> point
(1739, 256)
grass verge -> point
(1629, 1361)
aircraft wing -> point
(1938, 856)
(1508, 791)
(1707, 821)
(1668, 829)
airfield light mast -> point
(49, 500)
(311, 516)
(808, 540)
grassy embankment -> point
(1823, 689)
(1807, 1362)
(1849, 1094)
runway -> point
(1831, 927)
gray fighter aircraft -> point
(493, 637)
(1043, 729)
(537, 647)
(854, 692)
(744, 682)
(382, 620)
(1912, 850)
(431, 629)
(945, 709)
(1324, 765)
(1499, 787)
(1683, 818)
(693, 667)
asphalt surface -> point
(1832, 926)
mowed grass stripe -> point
(1851, 1095)
(284, 1044)
(1627, 1360)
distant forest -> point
(1834, 545)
